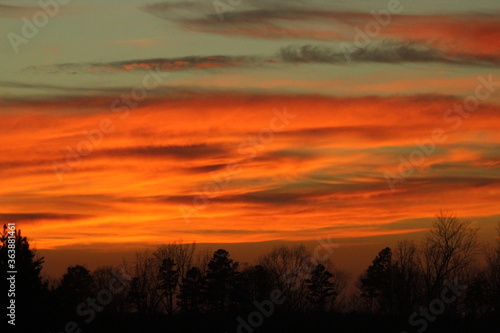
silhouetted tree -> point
(476, 296)
(147, 292)
(76, 285)
(376, 282)
(169, 279)
(492, 277)
(321, 289)
(258, 282)
(181, 254)
(340, 281)
(448, 249)
(406, 277)
(290, 266)
(30, 291)
(144, 294)
(190, 299)
(135, 296)
(103, 276)
(221, 281)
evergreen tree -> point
(321, 289)
(221, 281)
(30, 291)
(169, 279)
(376, 282)
(190, 298)
(77, 284)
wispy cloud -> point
(162, 64)
(37, 217)
(384, 52)
(389, 51)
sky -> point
(127, 124)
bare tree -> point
(181, 254)
(290, 267)
(340, 281)
(283, 259)
(492, 275)
(449, 248)
(144, 291)
(104, 276)
(202, 258)
(406, 276)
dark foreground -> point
(351, 323)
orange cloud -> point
(266, 173)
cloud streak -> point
(390, 52)
(161, 64)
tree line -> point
(177, 281)
(174, 279)
(403, 280)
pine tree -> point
(77, 284)
(30, 290)
(169, 279)
(190, 298)
(221, 281)
(376, 282)
(321, 289)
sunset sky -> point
(132, 123)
